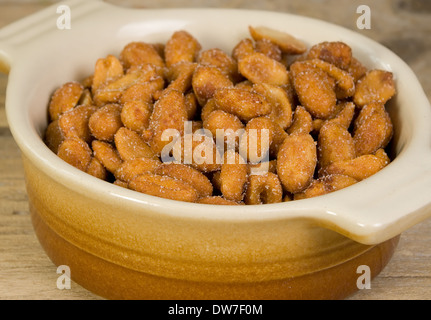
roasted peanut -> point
(182, 46)
(135, 115)
(130, 169)
(218, 58)
(280, 104)
(334, 144)
(130, 145)
(315, 89)
(217, 200)
(140, 53)
(76, 152)
(53, 136)
(64, 98)
(107, 155)
(206, 81)
(262, 189)
(169, 113)
(163, 187)
(259, 68)
(105, 122)
(302, 121)
(189, 175)
(106, 70)
(375, 86)
(75, 122)
(336, 52)
(233, 176)
(296, 162)
(373, 129)
(286, 42)
(244, 104)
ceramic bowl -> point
(121, 244)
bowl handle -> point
(17, 34)
(378, 215)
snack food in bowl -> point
(120, 243)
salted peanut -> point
(197, 150)
(278, 98)
(217, 200)
(287, 198)
(359, 168)
(192, 105)
(106, 70)
(143, 91)
(64, 98)
(233, 176)
(209, 107)
(278, 136)
(53, 136)
(86, 98)
(302, 122)
(243, 48)
(356, 69)
(189, 175)
(334, 182)
(245, 85)
(181, 46)
(286, 42)
(345, 114)
(223, 125)
(130, 145)
(375, 86)
(334, 144)
(87, 82)
(139, 53)
(169, 113)
(105, 122)
(75, 152)
(122, 184)
(206, 81)
(180, 75)
(107, 155)
(130, 169)
(345, 83)
(135, 115)
(263, 189)
(244, 104)
(75, 122)
(270, 49)
(255, 143)
(373, 129)
(96, 169)
(218, 58)
(315, 89)
(259, 68)
(315, 189)
(113, 91)
(296, 162)
(262, 167)
(336, 52)
(164, 187)
(381, 153)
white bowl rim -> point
(375, 221)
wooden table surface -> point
(26, 273)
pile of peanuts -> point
(322, 110)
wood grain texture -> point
(27, 273)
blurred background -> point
(401, 25)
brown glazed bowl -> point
(121, 244)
